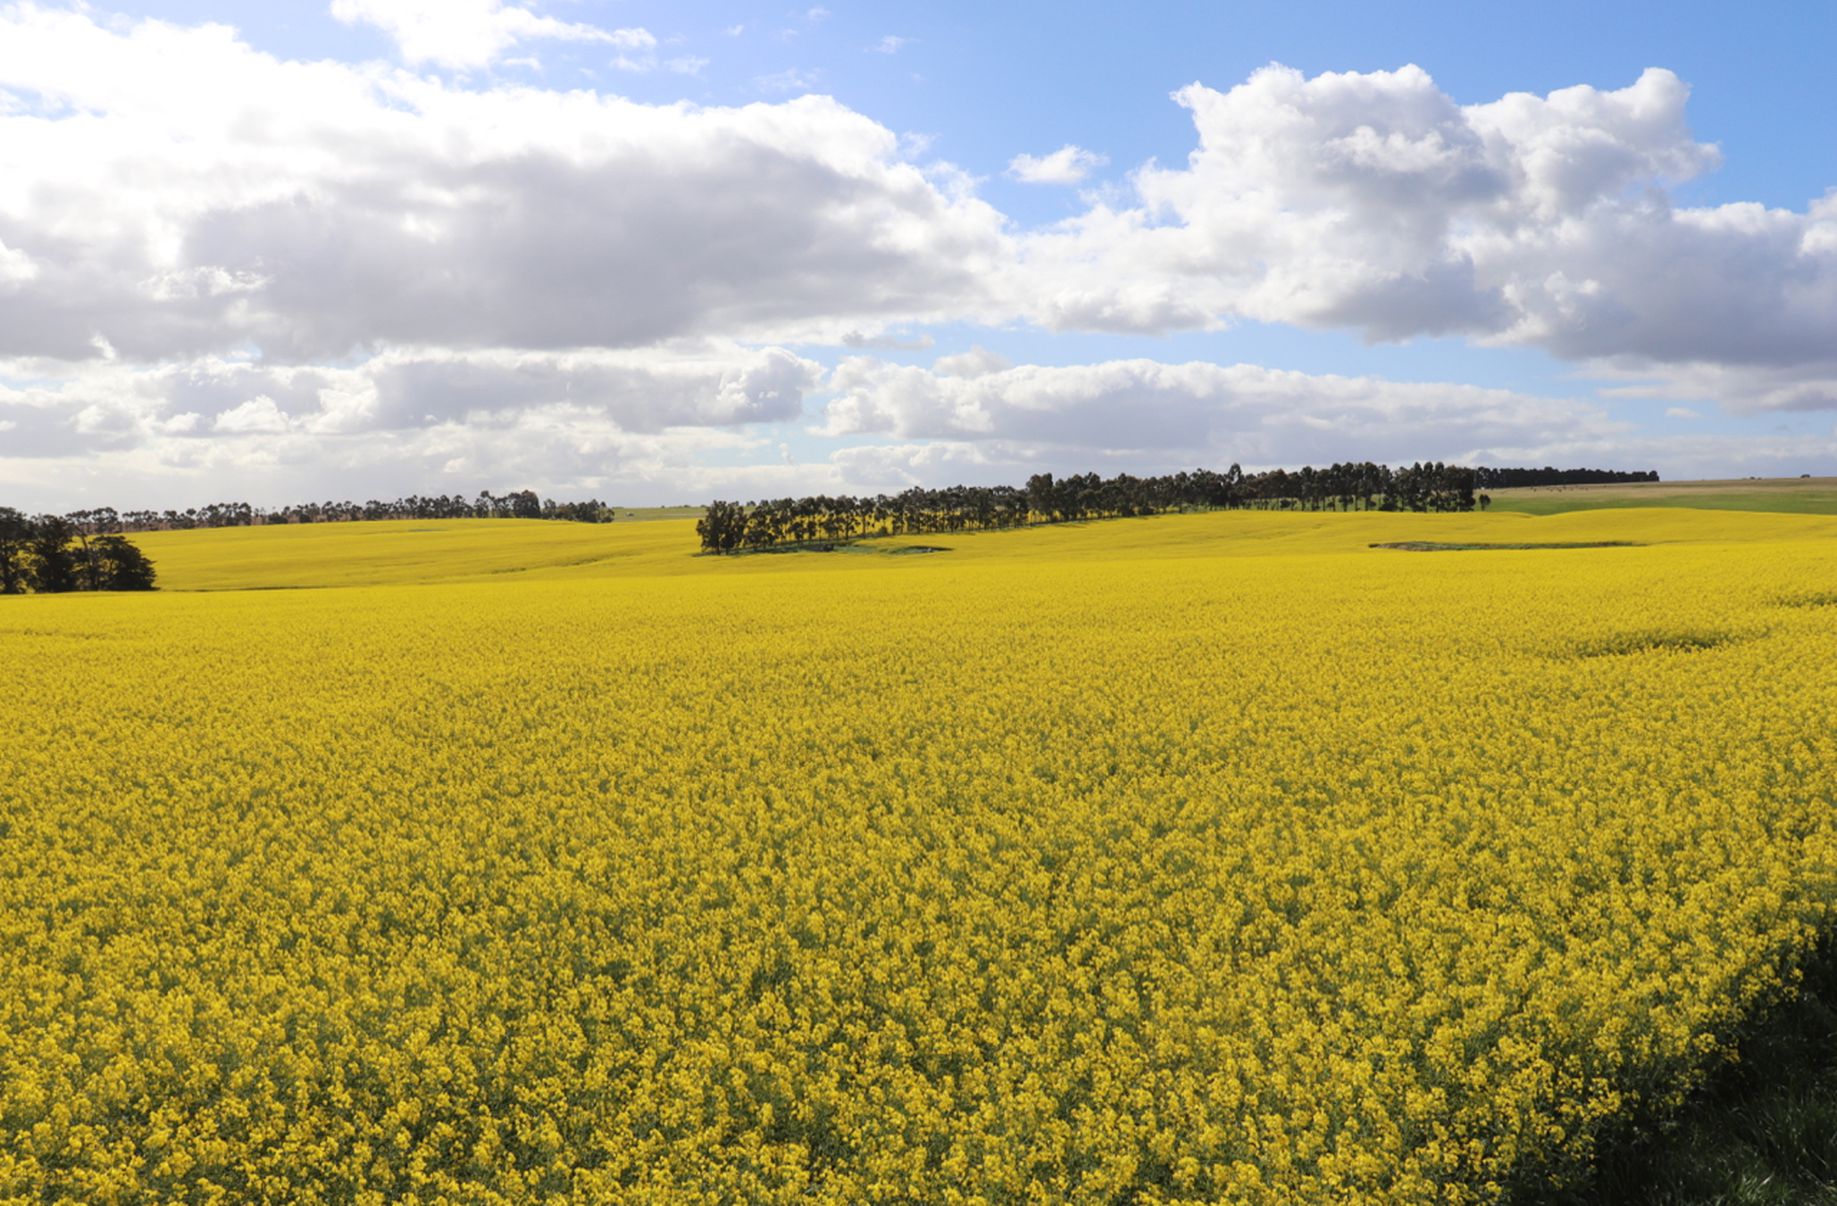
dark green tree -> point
(54, 567)
(15, 551)
(120, 565)
(722, 526)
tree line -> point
(1511, 479)
(51, 554)
(727, 527)
(518, 504)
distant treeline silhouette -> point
(727, 527)
(50, 554)
(1509, 479)
(519, 504)
(85, 550)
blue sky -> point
(986, 79)
(238, 371)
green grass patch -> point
(1763, 1132)
(639, 514)
(1801, 495)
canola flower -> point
(1214, 858)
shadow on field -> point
(1472, 546)
(1764, 1131)
(858, 545)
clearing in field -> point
(1196, 858)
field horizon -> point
(429, 551)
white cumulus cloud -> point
(1377, 203)
(1199, 410)
(258, 415)
(1067, 165)
(401, 420)
(16, 267)
(474, 33)
(212, 197)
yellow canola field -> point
(445, 551)
(1204, 858)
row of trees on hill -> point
(727, 527)
(518, 504)
(51, 554)
(1510, 479)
